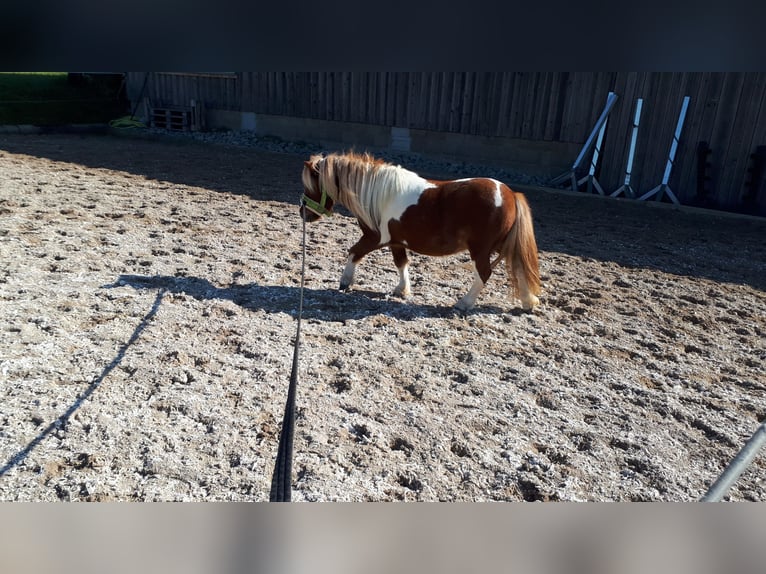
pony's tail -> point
(520, 254)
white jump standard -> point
(663, 187)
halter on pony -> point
(317, 207)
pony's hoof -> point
(403, 293)
(463, 306)
(530, 304)
(345, 284)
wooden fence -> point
(216, 90)
(727, 110)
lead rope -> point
(281, 479)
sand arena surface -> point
(148, 303)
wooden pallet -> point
(176, 118)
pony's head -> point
(315, 202)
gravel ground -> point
(148, 303)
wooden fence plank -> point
(712, 105)
(422, 101)
(467, 101)
(326, 95)
(370, 92)
(722, 130)
(434, 92)
(520, 82)
(586, 117)
(307, 96)
(711, 99)
(651, 172)
(479, 104)
(652, 163)
(503, 112)
(555, 107)
(531, 102)
(535, 101)
(333, 87)
(528, 103)
(565, 131)
(260, 94)
(687, 160)
(707, 126)
(382, 99)
(492, 99)
(441, 121)
(354, 106)
(402, 89)
(421, 87)
(314, 95)
(456, 102)
(580, 122)
(542, 99)
(345, 97)
(738, 144)
(758, 138)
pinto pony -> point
(399, 209)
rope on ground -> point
(281, 479)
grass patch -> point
(60, 98)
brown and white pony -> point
(399, 209)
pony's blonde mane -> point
(362, 183)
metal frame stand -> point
(597, 129)
(737, 466)
(663, 187)
(591, 177)
(625, 187)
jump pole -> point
(663, 187)
(570, 175)
(625, 187)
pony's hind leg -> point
(469, 299)
(520, 287)
(403, 289)
(482, 271)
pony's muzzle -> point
(321, 207)
(308, 214)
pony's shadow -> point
(318, 304)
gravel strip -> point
(421, 163)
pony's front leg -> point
(403, 289)
(368, 242)
(347, 279)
